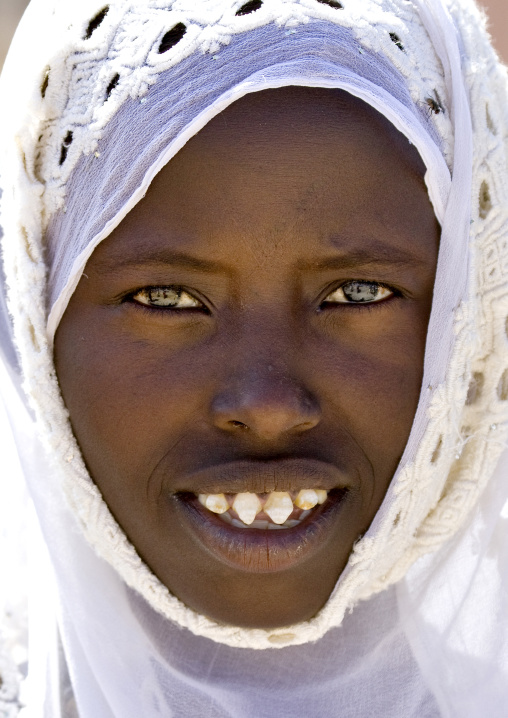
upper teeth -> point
(278, 505)
(247, 506)
(308, 498)
(217, 503)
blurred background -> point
(497, 10)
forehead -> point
(300, 164)
(285, 128)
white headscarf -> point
(431, 636)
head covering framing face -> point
(90, 132)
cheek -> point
(129, 400)
(372, 380)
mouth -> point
(276, 510)
(273, 528)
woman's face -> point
(256, 324)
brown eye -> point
(166, 298)
(358, 292)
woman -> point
(254, 261)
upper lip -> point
(260, 477)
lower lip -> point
(258, 550)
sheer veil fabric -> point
(428, 582)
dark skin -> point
(276, 204)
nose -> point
(267, 403)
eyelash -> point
(168, 309)
(323, 306)
(359, 306)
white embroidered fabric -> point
(417, 645)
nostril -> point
(305, 426)
(267, 405)
(238, 424)
(265, 419)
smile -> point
(261, 516)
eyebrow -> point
(165, 256)
(380, 256)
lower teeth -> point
(263, 525)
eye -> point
(166, 298)
(358, 292)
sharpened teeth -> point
(321, 495)
(278, 506)
(217, 503)
(242, 509)
(247, 506)
(306, 499)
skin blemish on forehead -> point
(254, 334)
